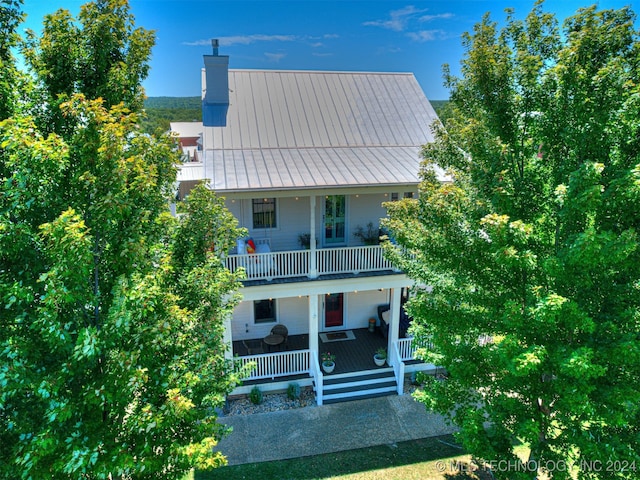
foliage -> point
(10, 18)
(158, 120)
(293, 391)
(174, 103)
(111, 354)
(534, 242)
(255, 395)
(327, 357)
(381, 353)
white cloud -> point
(398, 19)
(275, 57)
(245, 40)
(428, 18)
(426, 35)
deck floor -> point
(351, 355)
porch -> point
(354, 358)
(351, 355)
(268, 265)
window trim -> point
(275, 213)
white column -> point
(313, 267)
(313, 323)
(394, 325)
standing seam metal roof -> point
(306, 129)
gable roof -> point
(308, 129)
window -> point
(408, 194)
(394, 197)
(264, 311)
(264, 212)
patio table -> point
(273, 340)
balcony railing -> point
(297, 263)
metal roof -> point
(307, 129)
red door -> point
(333, 310)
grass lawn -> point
(436, 458)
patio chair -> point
(280, 329)
(254, 347)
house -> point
(305, 161)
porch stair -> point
(344, 387)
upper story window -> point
(264, 213)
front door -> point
(333, 310)
(335, 209)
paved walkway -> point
(313, 430)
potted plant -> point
(304, 239)
(370, 236)
(380, 356)
(328, 362)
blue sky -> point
(391, 35)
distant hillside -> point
(163, 110)
(173, 102)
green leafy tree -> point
(10, 17)
(531, 251)
(111, 354)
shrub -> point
(293, 391)
(255, 396)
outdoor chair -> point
(254, 347)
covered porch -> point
(273, 371)
(351, 355)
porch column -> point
(313, 322)
(394, 325)
(313, 267)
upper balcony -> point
(309, 263)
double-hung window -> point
(264, 213)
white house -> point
(313, 155)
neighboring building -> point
(189, 139)
(305, 160)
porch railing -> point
(316, 373)
(296, 263)
(407, 348)
(274, 365)
(398, 365)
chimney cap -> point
(215, 44)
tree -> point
(10, 18)
(112, 360)
(531, 251)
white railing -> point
(351, 260)
(407, 348)
(296, 263)
(398, 366)
(272, 365)
(316, 372)
(271, 265)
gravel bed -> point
(271, 402)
